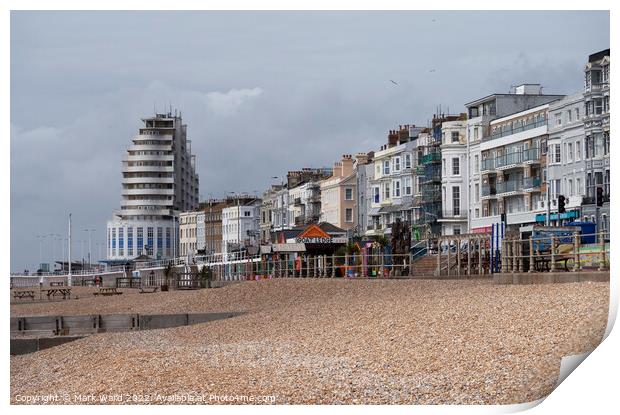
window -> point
(578, 189)
(396, 188)
(348, 193)
(475, 133)
(160, 243)
(570, 187)
(456, 170)
(456, 200)
(396, 163)
(407, 161)
(569, 115)
(386, 190)
(558, 187)
(121, 242)
(129, 241)
(576, 113)
(477, 192)
(557, 153)
(168, 242)
(443, 166)
(455, 136)
(348, 215)
(149, 240)
(476, 163)
(477, 213)
(140, 241)
(407, 186)
(376, 196)
(457, 230)
(558, 119)
(386, 167)
(606, 143)
(578, 150)
(598, 106)
(570, 151)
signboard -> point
(314, 240)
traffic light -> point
(561, 204)
(599, 196)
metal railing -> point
(509, 129)
(568, 252)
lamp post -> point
(89, 244)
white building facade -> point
(565, 171)
(499, 155)
(159, 180)
(240, 226)
(454, 178)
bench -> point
(23, 293)
(563, 254)
(148, 290)
(108, 291)
(57, 284)
(52, 292)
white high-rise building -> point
(159, 180)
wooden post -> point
(576, 240)
(513, 256)
(314, 265)
(601, 238)
(333, 266)
(448, 269)
(552, 268)
(521, 257)
(468, 256)
(458, 257)
(480, 255)
(438, 257)
(531, 255)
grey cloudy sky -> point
(261, 92)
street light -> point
(89, 244)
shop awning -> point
(374, 212)
(295, 247)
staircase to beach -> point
(424, 266)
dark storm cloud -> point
(261, 93)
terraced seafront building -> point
(159, 181)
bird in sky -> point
(432, 70)
(393, 82)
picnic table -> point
(148, 290)
(52, 292)
(108, 291)
(23, 293)
(56, 283)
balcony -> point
(531, 155)
(297, 201)
(431, 158)
(488, 191)
(511, 186)
(531, 183)
(487, 165)
(508, 160)
(510, 130)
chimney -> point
(347, 165)
(361, 158)
(392, 138)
